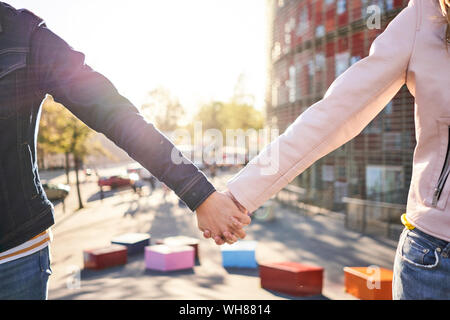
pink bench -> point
(169, 258)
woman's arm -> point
(352, 101)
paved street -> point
(291, 236)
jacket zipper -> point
(443, 177)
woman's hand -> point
(221, 219)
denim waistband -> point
(444, 245)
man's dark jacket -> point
(35, 62)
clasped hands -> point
(222, 218)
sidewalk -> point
(317, 240)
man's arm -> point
(62, 72)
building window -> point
(292, 83)
(340, 185)
(388, 108)
(354, 59)
(407, 140)
(364, 9)
(310, 75)
(342, 62)
(382, 180)
(341, 6)
(389, 4)
(320, 31)
(320, 61)
(298, 74)
(288, 28)
(303, 24)
(275, 92)
(392, 141)
(342, 172)
(327, 173)
(385, 5)
(387, 112)
(375, 126)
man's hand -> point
(219, 240)
(219, 217)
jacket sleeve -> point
(61, 72)
(350, 104)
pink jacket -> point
(411, 50)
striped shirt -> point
(33, 245)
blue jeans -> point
(26, 278)
(421, 267)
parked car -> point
(115, 181)
(56, 191)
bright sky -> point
(196, 48)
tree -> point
(61, 132)
(209, 115)
(230, 115)
(237, 113)
(53, 135)
(162, 109)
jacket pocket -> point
(443, 177)
(31, 179)
(439, 189)
(11, 61)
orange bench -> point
(369, 283)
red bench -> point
(102, 258)
(291, 278)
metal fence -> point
(365, 216)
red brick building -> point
(311, 42)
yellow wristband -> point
(406, 223)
